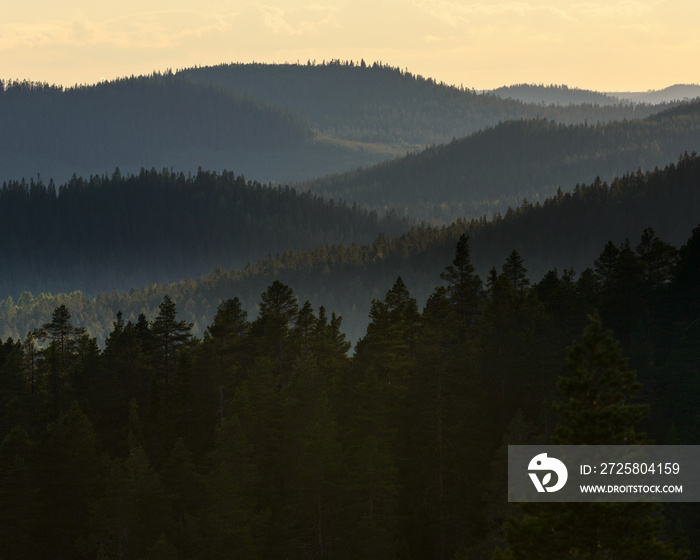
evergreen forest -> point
(265, 437)
(270, 122)
(300, 311)
(496, 168)
(376, 102)
(120, 231)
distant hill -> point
(382, 104)
(554, 95)
(564, 231)
(281, 123)
(121, 231)
(564, 95)
(159, 121)
(678, 92)
(493, 169)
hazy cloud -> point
(456, 13)
(151, 30)
(620, 9)
(299, 20)
(479, 42)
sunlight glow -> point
(622, 45)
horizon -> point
(624, 46)
(68, 86)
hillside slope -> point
(569, 230)
(381, 104)
(677, 92)
(126, 230)
(159, 121)
(278, 123)
(554, 95)
(496, 168)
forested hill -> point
(380, 103)
(568, 230)
(157, 121)
(554, 95)
(496, 168)
(122, 231)
(278, 123)
(678, 92)
(265, 439)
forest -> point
(564, 231)
(498, 167)
(380, 103)
(281, 123)
(122, 231)
(159, 121)
(265, 437)
(563, 95)
(554, 95)
(301, 310)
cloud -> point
(620, 9)
(457, 13)
(300, 20)
(163, 29)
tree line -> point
(265, 438)
(124, 230)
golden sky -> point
(613, 45)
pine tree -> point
(595, 410)
(606, 265)
(169, 334)
(515, 271)
(657, 259)
(271, 330)
(61, 332)
(464, 285)
(60, 354)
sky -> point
(604, 45)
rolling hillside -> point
(381, 104)
(568, 230)
(160, 121)
(554, 95)
(122, 231)
(281, 123)
(497, 168)
(678, 92)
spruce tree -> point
(60, 354)
(170, 334)
(463, 285)
(271, 330)
(595, 410)
(515, 271)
